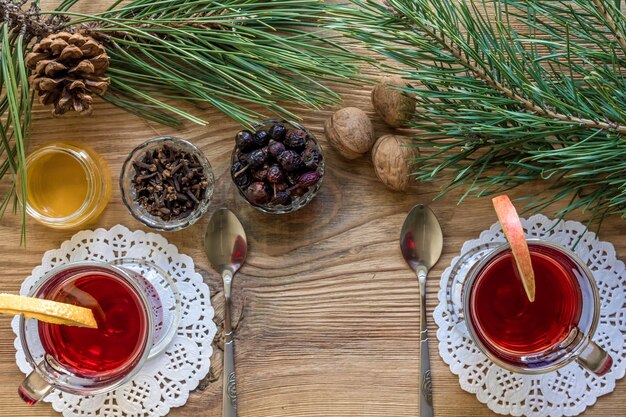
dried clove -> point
(169, 182)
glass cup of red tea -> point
(531, 337)
(84, 361)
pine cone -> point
(66, 70)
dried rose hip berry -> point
(261, 138)
(282, 197)
(290, 160)
(275, 174)
(311, 158)
(240, 174)
(295, 139)
(256, 158)
(309, 179)
(275, 148)
(277, 132)
(258, 193)
(261, 173)
(245, 140)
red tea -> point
(122, 332)
(503, 317)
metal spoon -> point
(421, 242)
(226, 247)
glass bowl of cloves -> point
(167, 183)
(277, 166)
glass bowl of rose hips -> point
(167, 183)
(277, 166)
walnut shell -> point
(391, 157)
(350, 132)
(394, 106)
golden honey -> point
(66, 185)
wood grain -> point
(329, 312)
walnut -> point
(350, 132)
(396, 107)
(391, 156)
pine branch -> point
(510, 92)
(237, 56)
(524, 102)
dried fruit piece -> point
(512, 228)
(261, 138)
(261, 173)
(47, 311)
(275, 174)
(256, 158)
(245, 140)
(311, 158)
(258, 193)
(290, 160)
(282, 197)
(275, 148)
(277, 132)
(309, 179)
(295, 139)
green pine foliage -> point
(511, 91)
(244, 58)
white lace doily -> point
(567, 391)
(165, 380)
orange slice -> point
(514, 232)
(47, 311)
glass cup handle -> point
(34, 388)
(595, 359)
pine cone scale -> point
(92, 48)
(100, 63)
(85, 67)
(32, 58)
(53, 68)
(43, 45)
(61, 35)
(70, 52)
(98, 86)
(67, 71)
(49, 84)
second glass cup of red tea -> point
(87, 361)
(542, 335)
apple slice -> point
(512, 228)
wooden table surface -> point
(329, 312)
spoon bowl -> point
(421, 243)
(226, 247)
(225, 241)
(421, 239)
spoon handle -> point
(426, 396)
(229, 397)
(230, 390)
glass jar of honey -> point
(66, 185)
